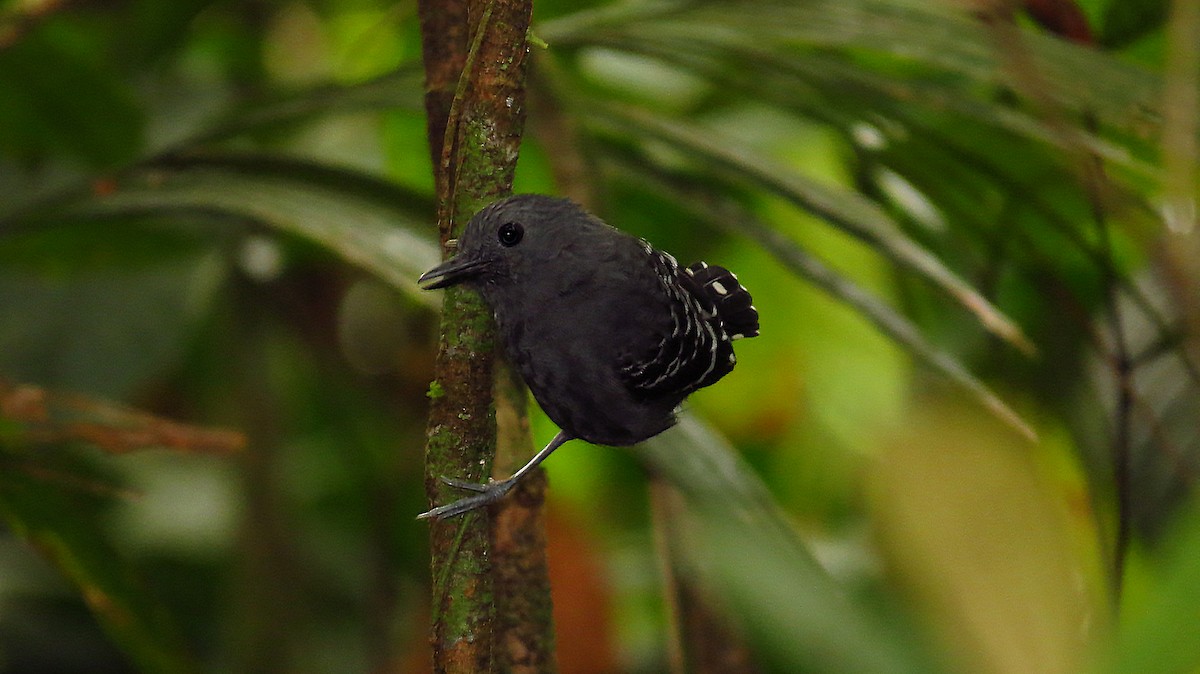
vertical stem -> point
(1095, 183)
(524, 623)
(1122, 449)
(1181, 105)
(702, 639)
(664, 509)
(474, 53)
(444, 44)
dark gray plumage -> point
(609, 334)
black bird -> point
(609, 334)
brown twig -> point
(43, 417)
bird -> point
(609, 333)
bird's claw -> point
(485, 494)
(469, 486)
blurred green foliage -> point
(214, 212)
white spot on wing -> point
(716, 285)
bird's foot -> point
(485, 494)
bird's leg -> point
(491, 491)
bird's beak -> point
(455, 270)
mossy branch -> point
(474, 52)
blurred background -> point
(968, 229)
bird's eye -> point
(510, 234)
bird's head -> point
(511, 239)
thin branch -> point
(446, 173)
(40, 416)
(1122, 362)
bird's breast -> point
(568, 345)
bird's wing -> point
(720, 287)
(694, 351)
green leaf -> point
(398, 90)
(836, 88)
(938, 36)
(367, 222)
(847, 210)
(743, 548)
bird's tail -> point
(734, 305)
